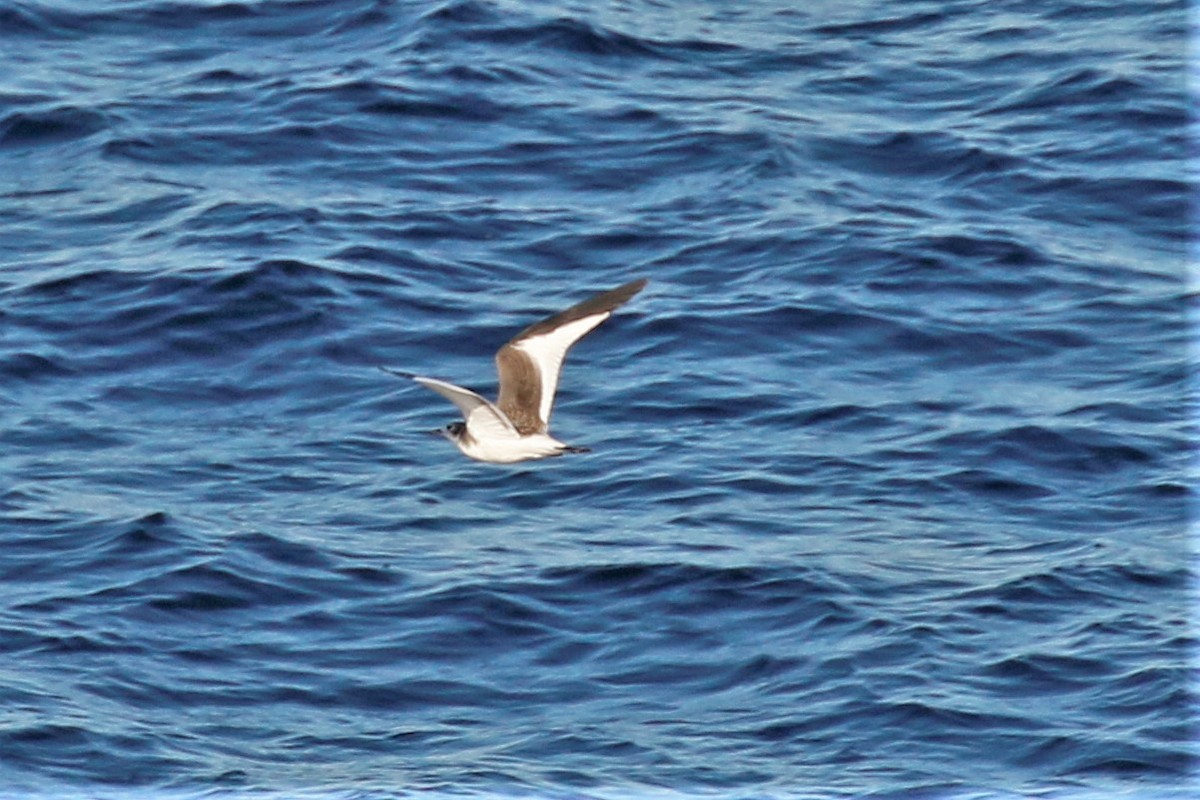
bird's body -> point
(516, 427)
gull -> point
(516, 427)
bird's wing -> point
(483, 419)
(538, 352)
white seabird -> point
(516, 427)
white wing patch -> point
(484, 420)
(548, 351)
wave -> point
(20, 129)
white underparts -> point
(509, 450)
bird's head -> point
(454, 431)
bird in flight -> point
(516, 427)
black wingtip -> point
(398, 373)
(622, 294)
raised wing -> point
(529, 365)
(483, 419)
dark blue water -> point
(890, 485)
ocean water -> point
(889, 490)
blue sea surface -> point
(891, 473)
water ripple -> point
(888, 488)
